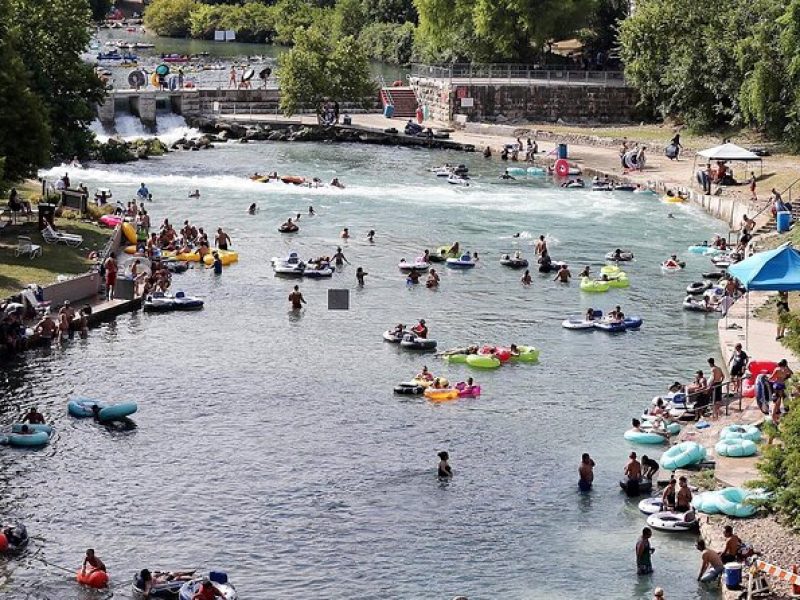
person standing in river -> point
(296, 298)
(444, 470)
(586, 473)
(644, 552)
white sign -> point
(224, 36)
(467, 103)
(215, 107)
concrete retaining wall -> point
(78, 288)
(539, 102)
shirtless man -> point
(541, 245)
(717, 377)
(444, 471)
(296, 298)
(93, 561)
(222, 239)
(711, 567)
(778, 378)
(633, 472)
(45, 329)
(668, 496)
(732, 545)
(563, 275)
(345, 233)
(683, 497)
(586, 473)
(338, 258)
(34, 417)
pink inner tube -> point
(465, 391)
(749, 388)
(502, 354)
(110, 220)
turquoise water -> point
(270, 444)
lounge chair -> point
(41, 308)
(51, 236)
(25, 246)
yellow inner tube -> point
(673, 199)
(441, 395)
(226, 256)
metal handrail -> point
(508, 72)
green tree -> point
(24, 134)
(389, 42)
(319, 68)
(170, 18)
(296, 15)
(680, 56)
(349, 18)
(780, 463)
(515, 30)
(390, 11)
(67, 86)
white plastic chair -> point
(25, 246)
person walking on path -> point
(782, 305)
(717, 378)
(644, 552)
(676, 141)
(232, 78)
(296, 298)
(752, 184)
(111, 276)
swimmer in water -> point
(194, 194)
(670, 216)
(516, 235)
(526, 278)
(345, 234)
(360, 273)
(253, 209)
(371, 236)
(444, 471)
(585, 272)
(339, 257)
(563, 274)
(311, 212)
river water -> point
(269, 444)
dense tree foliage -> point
(486, 30)
(320, 67)
(24, 135)
(718, 63)
(780, 463)
(170, 17)
(47, 92)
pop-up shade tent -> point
(774, 270)
(729, 153)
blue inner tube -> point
(82, 407)
(37, 439)
(633, 322)
(115, 412)
(611, 327)
(17, 427)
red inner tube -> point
(562, 167)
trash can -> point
(733, 575)
(562, 151)
(347, 120)
(783, 221)
(47, 214)
(123, 289)
(388, 111)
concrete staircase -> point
(403, 99)
(770, 225)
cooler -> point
(732, 575)
(388, 111)
(783, 221)
(562, 151)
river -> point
(270, 445)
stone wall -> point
(574, 103)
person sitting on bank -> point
(711, 566)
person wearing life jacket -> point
(420, 329)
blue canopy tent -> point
(776, 270)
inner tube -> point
(698, 287)
(672, 521)
(137, 79)
(162, 70)
(514, 263)
(636, 488)
(609, 326)
(714, 275)
(577, 323)
(482, 361)
(93, 578)
(289, 229)
(644, 437)
(735, 448)
(248, 75)
(651, 506)
(412, 342)
(740, 432)
(408, 389)
(682, 455)
(561, 167)
(623, 256)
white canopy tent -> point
(729, 153)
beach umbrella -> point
(774, 270)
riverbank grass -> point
(18, 271)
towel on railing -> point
(763, 393)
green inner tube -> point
(483, 361)
(456, 359)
